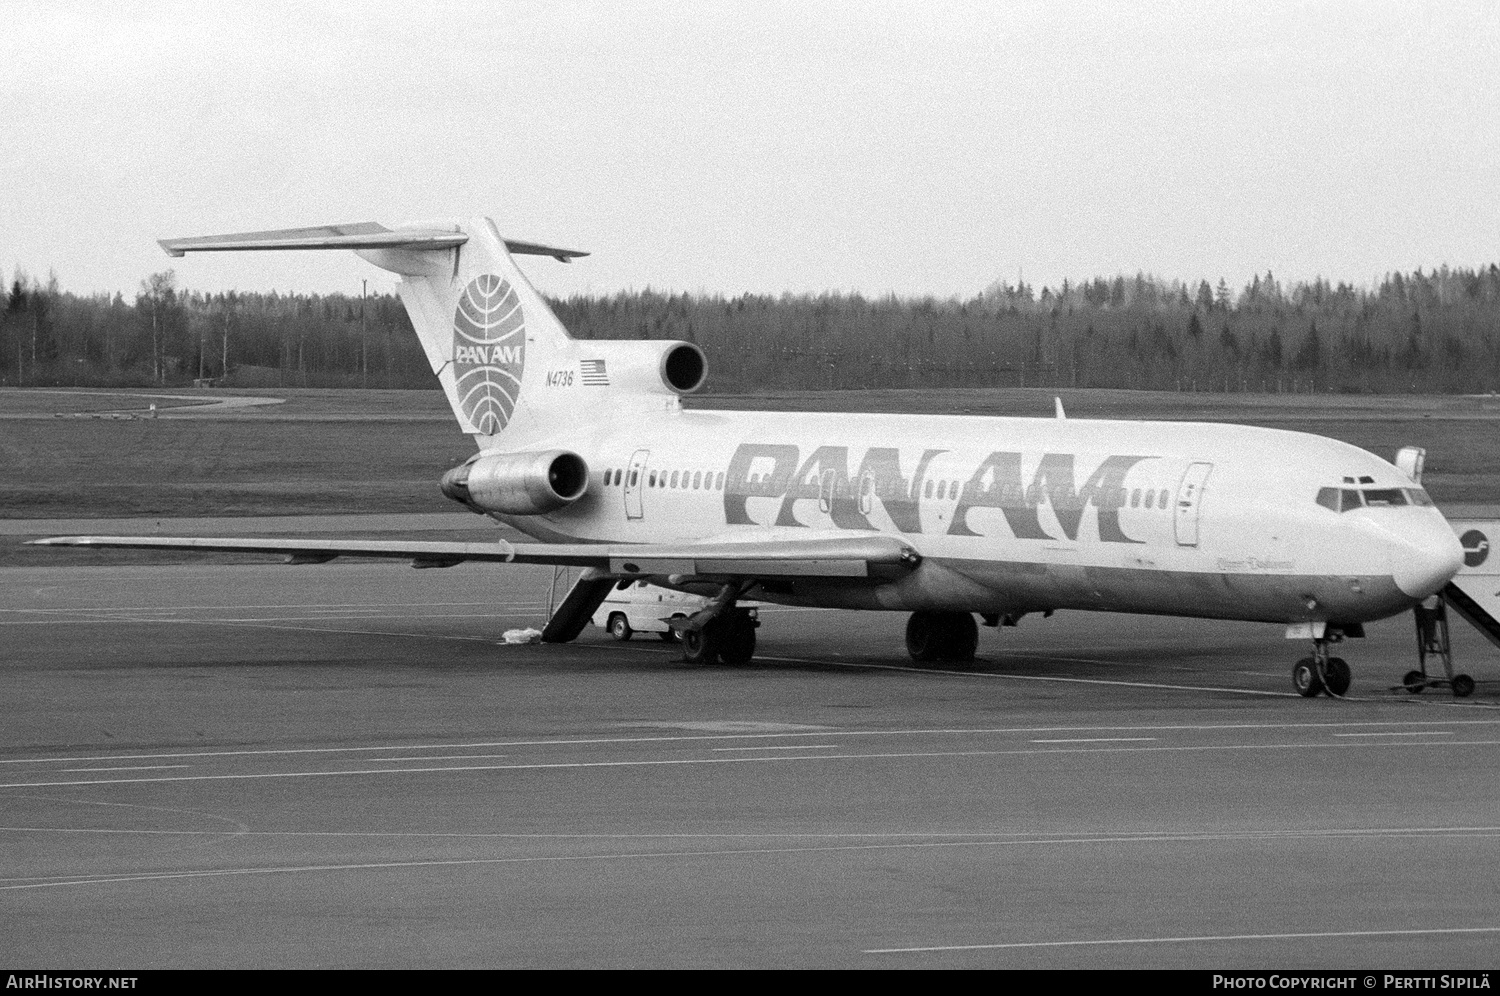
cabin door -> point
(1189, 502)
(635, 481)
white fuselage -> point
(1014, 515)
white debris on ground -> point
(527, 635)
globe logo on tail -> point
(489, 339)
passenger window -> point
(719, 482)
(1329, 498)
(697, 479)
(653, 478)
(674, 480)
(1385, 496)
(1352, 499)
(633, 474)
(927, 491)
(1135, 498)
(1162, 499)
(1150, 498)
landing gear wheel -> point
(701, 646)
(924, 638)
(1414, 682)
(941, 636)
(1305, 678)
(737, 645)
(619, 626)
(1336, 677)
(963, 637)
(1463, 686)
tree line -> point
(1424, 332)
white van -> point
(645, 608)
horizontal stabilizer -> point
(875, 557)
(361, 235)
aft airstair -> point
(1474, 594)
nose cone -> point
(1425, 554)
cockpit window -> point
(1385, 496)
(1348, 499)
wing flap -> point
(852, 557)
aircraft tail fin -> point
(486, 331)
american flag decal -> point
(594, 374)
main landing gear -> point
(941, 636)
(720, 631)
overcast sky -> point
(920, 148)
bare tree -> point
(158, 292)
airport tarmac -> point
(342, 766)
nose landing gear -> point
(1320, 672)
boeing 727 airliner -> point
(585, 446)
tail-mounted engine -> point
(518, 483)
(647, 367)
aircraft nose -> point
(1425, 555)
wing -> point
(879, 558)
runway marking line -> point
(969, 836)
(790, 660)
(1202, 938)
(132, 767)
(562, 765)
(1116, 682)
(1400, 733)
(441, 757)
(1093, 740)
(831, 662)
(11, 885)
(683, 738)
(781, 747)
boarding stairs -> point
(1474, 594)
